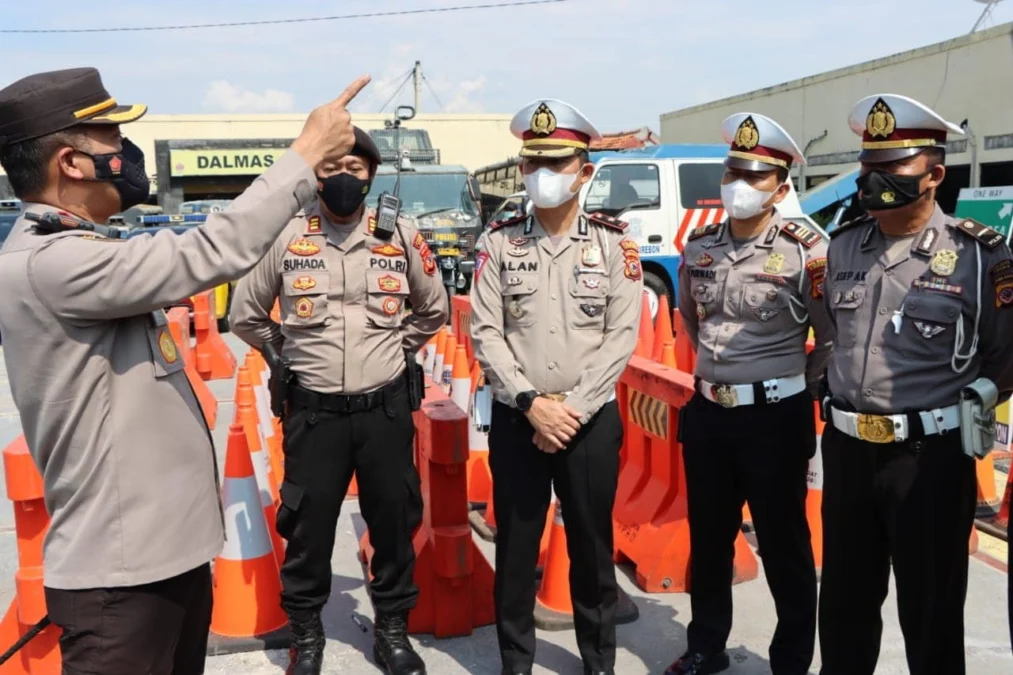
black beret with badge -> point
(365, 147)
(45, 103)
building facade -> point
(216, 156)
(967, 80)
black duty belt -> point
(344, 403)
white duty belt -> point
(894, 428)
(734, 395)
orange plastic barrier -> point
(988, 497)
(41, 656)
(663, 334)
(460, 323)
(454, 579)
(685, 357)
(651, 511)
(179, 326)
(215, 361)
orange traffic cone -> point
(645, 338)
(988, 497)
(814, 497)
(247, 586)
(662, 329)
(429, 354)
(441, 349)
(460, 379)
(448, 364)
(553, 599)
(479, 475)
(543, 546)
(668, 354)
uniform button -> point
(553, 296)
(867, 392)
(913, 303)
(952, 312)
(875, 350)
(889, 273)
(554, 262)
(552, 366)
(552, 330)
(883, 310)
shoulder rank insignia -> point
(516, 220)
(703, 231)
(851, 224)
(313, 225)
(609, 222)
(801, 234)
(985, 235)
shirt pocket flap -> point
(934, 308)
(386, 282)
(848, 296)
(766, 296)
(589, 286)
(518, 283)
(304, 283)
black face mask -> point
(881, 191)
(125, 170)
(342, 193)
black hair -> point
(583, 156)
(782, 174)
(25, 162)
(935, 156)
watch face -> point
(524, 401)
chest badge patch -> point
(592, 310)
(514, 281)
(389, 284)
(303, 247)
(303, 308)
(774, 263)
(632, 270)
(167, 346)
(704, 260)
(390, 306)
(764, 314)
(944, 262)
(592, 283)
(771, 295)
(518, 252)
(514, 307)
(304, 283)
(518, 241)
(590, 256)
(928, 330)
(389, 250)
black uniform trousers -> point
(911, 503)
(322, 450)
(159, 628)
(757, 454)
(585, 476)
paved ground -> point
(646, 646)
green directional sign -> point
(991, 206)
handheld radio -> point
(49, 223)
(388, 206)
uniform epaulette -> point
(703, 231)
(986, 235)
(608, 221)
(861, 220)
(500, 224)
(313, 225)
(801, 234)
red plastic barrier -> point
(179, 326)
(454, 578)
(215, 361)
(651, 512)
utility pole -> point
(417, 75)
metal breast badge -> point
(514, 307)
(590, 256)
(944, 262)
(774, 263)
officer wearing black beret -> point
(129, 470)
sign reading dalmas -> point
(212, 162)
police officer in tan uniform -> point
(343, 292)
(923, 305)
(555, 309)
(130, 473)
(750, 289)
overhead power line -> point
(275, 22)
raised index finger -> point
(351, 91)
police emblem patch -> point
(880, 123)
(390, 306)
(304, 283)
(303, 247)
(632, 270)
(514, 281)
(944, 262)
(389, 284)
(514, 307)
(389, 250)
(592, 283)
(429, 263)
(303, 308)
(167, 346)
(419, 241)
(592, 310)
(590, 256)
(543, 121)
(764, 314)
(704, 260)
(928, 330)
(774, 263)
(480, 259)
(747, 136)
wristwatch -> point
(524, 400)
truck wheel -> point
(655, 288)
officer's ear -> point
(935, 166)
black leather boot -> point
(306, 655)
(391, 648)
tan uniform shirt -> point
(556, 319)
(903, 325)
(112, 423)
(342, 294)
(748, 310)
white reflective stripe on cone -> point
(262, 472)
(264, 404)
(814, 477)
(460, 389)
(430, 358)
(245, 528)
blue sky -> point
(622, 62)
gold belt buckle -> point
(559, 398)
(725, 395)
(875, 429)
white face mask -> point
(742, 200)
(548, 189)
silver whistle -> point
(895, 320)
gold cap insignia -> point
(747, 136)
(880, 123)
(543, 122)
(167, 346)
